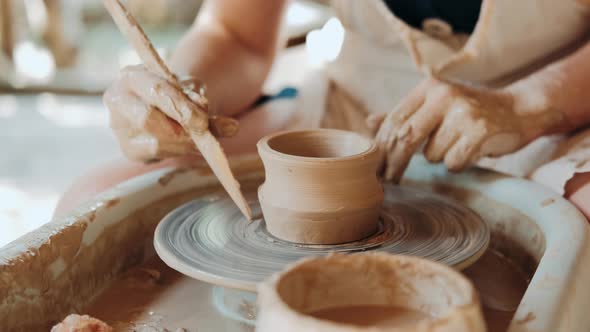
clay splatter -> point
(112, 202)
(581, 163)
(528, 318)
(92, 215)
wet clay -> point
(154, 295)
(380, 316)
(368, 280)
(321, 186)
(501, 284)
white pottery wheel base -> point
(524, 279)
(208, 239)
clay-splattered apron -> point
(382, 59)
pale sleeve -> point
(510, 39)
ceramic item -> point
(411, 294)
(210, 240)
(321, 186)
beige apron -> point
(382, 59)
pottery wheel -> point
(210, 240)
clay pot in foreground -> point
(374, 292)
(321, 186)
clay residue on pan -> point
(502, 262)
(505, 260)
(528, 318)
(50, 273)
(514, 252)
(153, 297)
(459, 194)
(91, 215)
(164, 294)
(547, 202)
(248, 310)
(581, 163)
(111, 202)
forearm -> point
(231, 47)
(563, 86)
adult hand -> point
(146, 112)
(459, 125)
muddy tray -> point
(100, 259)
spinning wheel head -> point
(208, 239)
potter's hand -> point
(146, 111)
(460, 125)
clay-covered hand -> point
(146, 112)
(459, 125)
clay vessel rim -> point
(367, 154)
(271, 287)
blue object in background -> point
(286, 93)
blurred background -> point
(56, 59)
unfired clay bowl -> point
(422, 296)
(321, 186)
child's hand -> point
(460, 125)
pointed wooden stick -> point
(204, 140)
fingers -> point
(411, 135)
(386, 137)
(156, 91)
(403, 111)
(143, 132)
(465, 151)
(443, 139)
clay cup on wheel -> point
(321, 186)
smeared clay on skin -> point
(460, 124)
(334, 194)
(288, 300)
(541, 93)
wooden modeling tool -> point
(197, 124)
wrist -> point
(534, 104)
